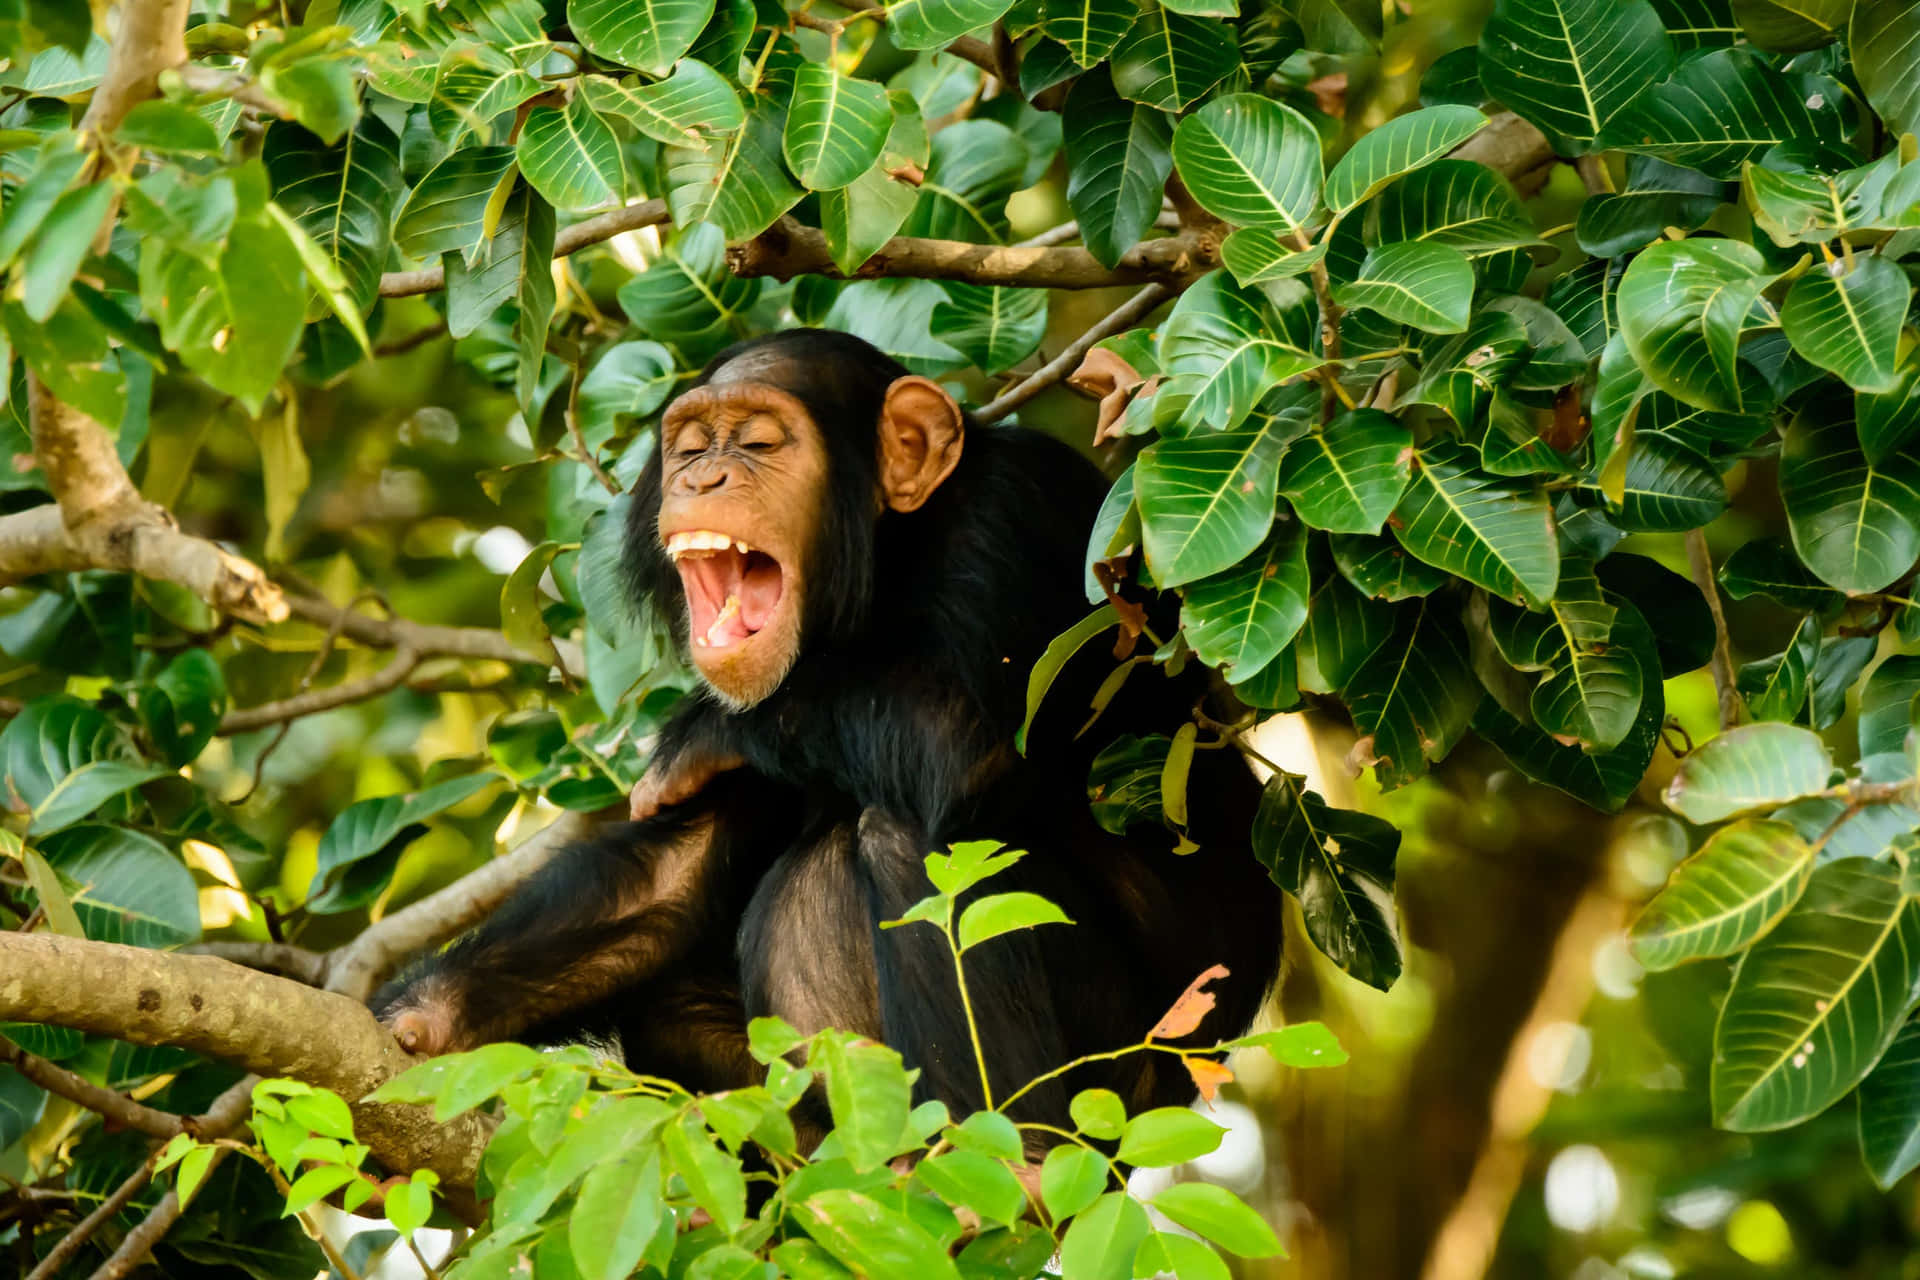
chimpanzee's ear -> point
(920, 437)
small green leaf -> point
(1776, 688)
(1217, 1214)
(1755, 766)
(571, 156)
(999, 913)
(649, 36)
(1099, 1113)
(1887, 59)
(1170, 60)
(1856, 524)
(978, 1182)
(1569, 66)
(1414, 282)
(1071, 1178)
(1118, 158)
(1102, 1240)
(1338, 864)
(1240, 619)
(87, 788)
(1848, 322)
(1494, 532)
(836, 125)
(1167, 1136)
(1721, 109)
(1399, 146)
(1206, 501)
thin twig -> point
(388, 678)
(320, 657)
(116, 1107)
(603, 226)
(1700, 560)
(418, 338)
(607, 482)
(1126, 315)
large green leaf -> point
(1668, 487)
(836, 125)
(1413, 282)
(342, 196)
(859, 218)
(501, 262)
(1886, 705)
(1089, 29)
(1819, 999)
(1886, 58)
(1848, 321)
(1338, 864)
(973, 167)
(1118, 159)
(928, 24)
(1494, 532)
(1776, 688)
(994, 326)
(1414, 695)
(1381, 568)
(1457, 203)
(648, 35)
(1206, 501)
(1348, 476)
(1251, 161)
(1856, 524)
(1724, 108)
(1755, 766)
(1792, 25)
(741, 188)
(687, 109)
(1683, 307)
(571, 156)
(1240, 619)
(1590, 687)
(1730, 892)
(1343, 630)
(132, 889)
(446, 210)
(1226, 348)
(1169, 60)
(1890, 1110)
(1658, 195)
(360, 847)
(1568, 66)
(1399, 146)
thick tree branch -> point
(117, 1107)
(282, 958)
(357, 968)
(789, 248)
(149, 37)
(1125, 316)
(265, 1024)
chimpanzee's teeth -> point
(687, 541)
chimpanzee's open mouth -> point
(732, 588)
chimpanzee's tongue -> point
(759, 589)
(730, 595)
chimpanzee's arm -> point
(695, 747)
(605, 913)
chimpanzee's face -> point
(743, 481)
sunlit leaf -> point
(1736, 887)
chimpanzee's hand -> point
(420, 1016)
(680, 781)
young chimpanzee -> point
(863, 579)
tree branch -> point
(790, 248)
(265, 1024)
(570, 240)
(282, 958)
(117, 1107)
(424, 638)
(1700, 560)
(1126, 315)
(150, 38)
(391, 676)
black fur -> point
(891, 737)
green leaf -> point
(1217, 1214)
(1399, 146)
(1569, 66)
(1339, 865)
(130, 888)
(1343, 629)
(1118, 158)
(1251, 161)
(1239, 619)
(1722, 109)
(1667, 487)
(1058, 652)
(1415, 694)
(1102, 1240)
(1227, 348)
(741, 188)
(1071, 1178)
(1414, 282)
(1206, 501)
(1887, 59)
(476, 85)
(1169, 60)
(1890, 1110)
(972, 168)
(1848, 322)
(1683, 307)
(360, 847)
(1457, 203)
(1792, 25)
(1124, 781)
(1590, 688)
(62, 244)
(836, 126)
(1167, 1136)
(1818, 1000)
(869, 1094)
(1305, 1045)
(1856, 524)
(570, 156)
(626, 384)
(1658, 195)
(1735, 888)
(1255, 255)
(929, 24)
(688, 299)
(648, 35)
(1768, 567)
(999, 913)
(978, 1182)
(617, 1213)
(1889, 421)
(688, 109)
(1089, 28)
(872, 1239)
(1886, 705)
(714, 1178)
(1776, 688)
(84, 790)
(446, 210)
(58, 162)
(342, 196)
(1494, 532)
(522, 617)
(501, 262)
(1755, 766)
(859, 218)
(1381, 568)
(533, 295)
(994, 326)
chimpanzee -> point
(863, 579)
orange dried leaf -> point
(1208, 1076)
(1186, 1013)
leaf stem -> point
(966, 1006)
